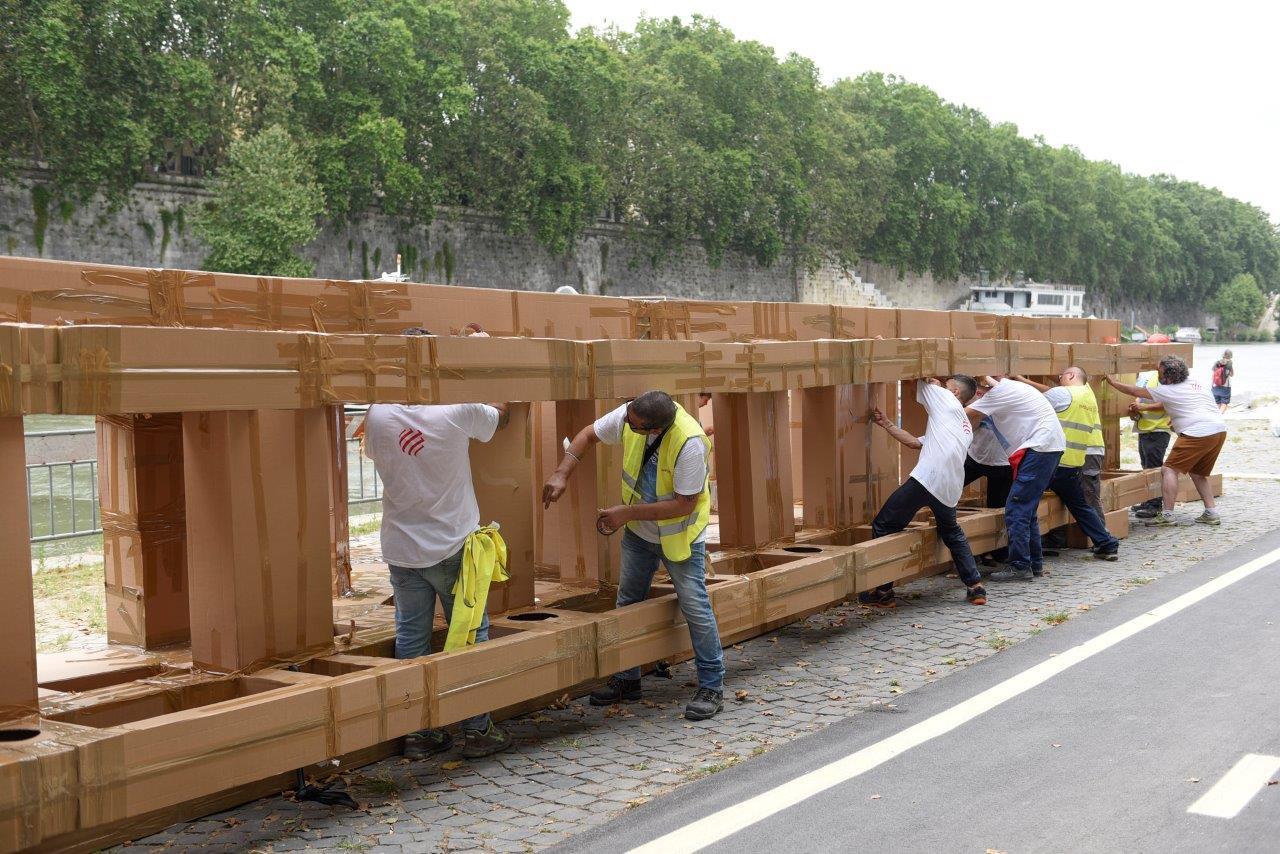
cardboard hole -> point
(801, 549)
(18, 734)
(532, 616)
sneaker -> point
(706, 703)
(616, 690)
(1163, 520)
(1146, 513)
(878, 598)
(426, 742)
(1037, 571)
(1107, 555)
(481, 743)
(1013, 573)
(1207, 518)
(977, 595)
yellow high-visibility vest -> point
(678, 534)
(1083, 426)
(1150, 421)
(484, 562)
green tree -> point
(265, 207)
(1239, 303)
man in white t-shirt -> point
(429, 508)
(936, 482)
(989, 457)
(667, 504)
(1201, 430)
(1036, 442)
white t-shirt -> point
(1190, 407)
(691, 466)
(421, 454)
(988, 446)
(945, 444)
(1023, 416)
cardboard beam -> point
(17, 610)
(144, 528)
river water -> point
(1257, 367)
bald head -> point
(1073, 376)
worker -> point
(1151, 423)
(1036, 443)
(429, 510)
(666, 504)
(1223, 371)
(1078, 480)
(936, 481)
(1201, 430)
(989, 457)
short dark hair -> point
(416, 330)
(968, 386)
(1173, 370)
(654, 409)
(1084, 375)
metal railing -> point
(62, 497)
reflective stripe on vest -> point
(1082, 426)
(677, 534)
(1153, 420)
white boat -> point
(1187, 335)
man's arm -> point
(1147, 407)
(555, 485)
(613, 518)
(877, 418)
(1131, 390)
(504, 413)
(1035, 385)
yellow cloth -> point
(484, 561)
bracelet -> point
(572, 454)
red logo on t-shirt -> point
(411, 441)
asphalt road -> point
(1106, 755)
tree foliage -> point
(266, 206)
(676, 127)
(1239, 303)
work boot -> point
(616, 690)
(878, 598)
(1112, 554)
(1013, 573)
(706, 703)
(977, 595)
(1161, 520)
(426, 742)
(1209, 517)
(1146, 512)
(480, 743)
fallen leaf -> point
(233, 821)
(1193, 780)
(740, 696)
(834, 697)
(1056, 744)
(1273, 782)
(450, 766)
(874, 798)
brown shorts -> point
(1194, 455)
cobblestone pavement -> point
(576, 767)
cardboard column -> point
(144, 533)
(258, 535)
(505, 479)
(339, 517)
(546, 456)
(915, 420)
(17, 608)
(585, 556)
(753, 468)
(835, 457)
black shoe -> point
(1145, 513)
(878, 598)
(616, 690)
(977, 595)
(706, 703)
(1037, 571)
(1013, 573)
(1051, 553)
(426, 742)
(1112, 555)
(480, 743)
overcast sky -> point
(1190, 89)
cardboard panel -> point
(977, 325)
(505, 482)
(753, 468)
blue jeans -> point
(639, 563)
(416, 591)
(1067, 482)
(1034, 474)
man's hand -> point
(613, 518)
(553, 489)
(933, 381)
(877, 418)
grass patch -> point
(69, 600)
(352, 845)
(1056, 619)
(998, 642)
(1139, 581)
(368, 526)
(708, 770)
(383, 786)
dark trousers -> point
(901, 508)
(999, 480)
(1034, 473)
(1068, 484)
(1151, 450)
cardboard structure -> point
(217, 397)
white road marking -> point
(723, 823)
(1237, 787)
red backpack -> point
(1220, 374)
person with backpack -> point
(1223, 370)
